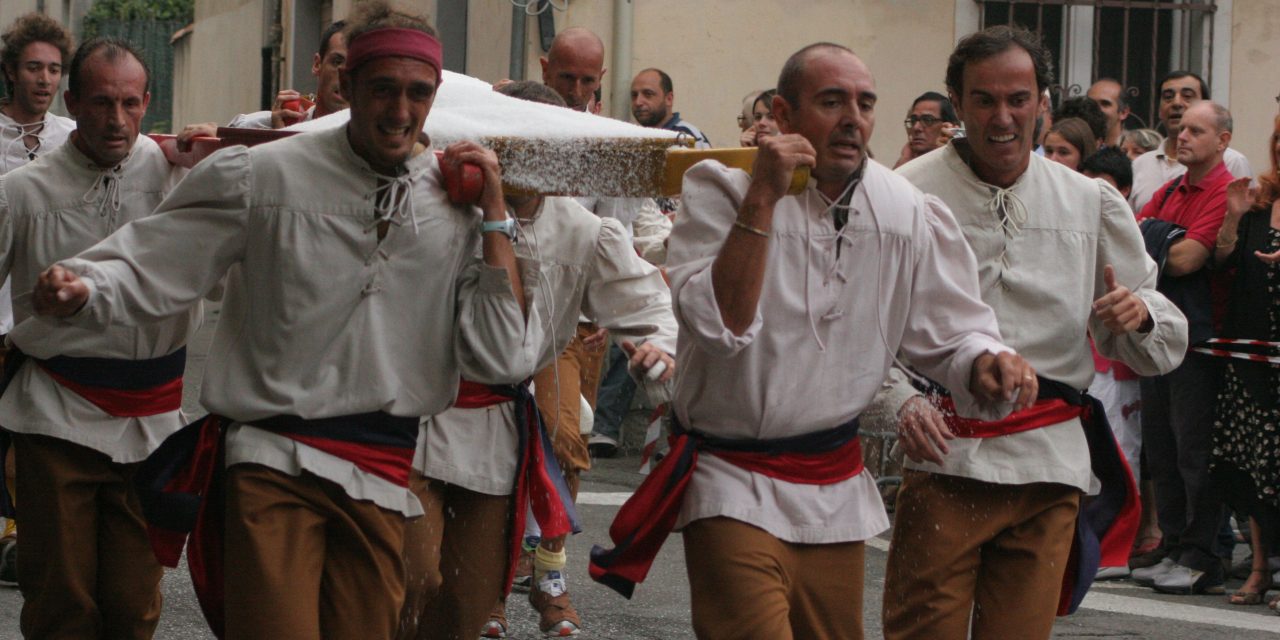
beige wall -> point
(219, 71)
(1255, 29)
(715, 55)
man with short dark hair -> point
(1087, 110)
(929, 124)
(652, 104)
(87, 405)
(325, 66)
(1112, 165)
(1153, 169)
(356, 296)
(791, 308)
(1108, 94)
(987, 509)
(1178, 407)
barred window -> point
(1134, 41)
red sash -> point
(648, 516)
(539, 482)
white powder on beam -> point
(542, 148)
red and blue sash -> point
(119, 387)
(539, 483)
(648, 516)
(1108, 522)
(180, 485)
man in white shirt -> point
(1154, 169)
(791, 309)
(35, 50)
(987, 510)
(85, 406)
(355, 299)
(468, 456)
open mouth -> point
(1003, 139)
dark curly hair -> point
(993, 41)
(32, 27)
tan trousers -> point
(306, 561)
(579, 374)
(456, 557)
(86, 567)
(745, 583)
(963, 546)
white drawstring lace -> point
(834, 269)
(23, 130)
(393, 201)
(1012, 214)
(105, 194)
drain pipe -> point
(620, 94)
(515, 70)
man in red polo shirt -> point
(1177, 408)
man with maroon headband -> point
(355, 299)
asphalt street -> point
(660, 610)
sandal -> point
(1243, 597)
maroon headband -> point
(394, 42)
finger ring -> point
(1028, 377)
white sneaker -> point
(1146, 576)
(602, 446)
(1111, 573)
(1186, 581)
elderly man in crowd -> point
(929, 123)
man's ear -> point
(781, 110)
(72, 103)
(1224, 140)
(315, 63)
(543, 61)
(955, 104)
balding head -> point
(574, 66)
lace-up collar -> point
(393, 199)
(9, 126)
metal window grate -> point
(1134, 41)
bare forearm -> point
(1186, 257)
(737, 275)
(1227, 237)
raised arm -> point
(737, 275)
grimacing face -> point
(390, 98)
(109, 107)
(999, 107)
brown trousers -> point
(745, 583)
(86, 569)
(579, 374)
(305, 560)
(456, 558)
(963, 547)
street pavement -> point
(660, 609)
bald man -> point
(574, 66)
